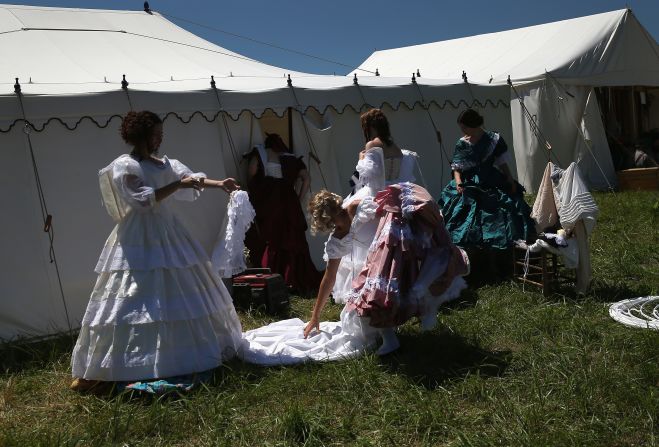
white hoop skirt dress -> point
(158, 308)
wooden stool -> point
(543, 269)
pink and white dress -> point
(372, 179)
(411, 262)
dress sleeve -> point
(460, 160)
(366, 211)
(371, 169)
(337, 248)
(128, 180)
(181, 171)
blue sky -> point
(349, 31)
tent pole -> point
(289, 111)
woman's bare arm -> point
(326, 286)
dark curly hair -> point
(375, 118)
(470, 118)
(136, 128)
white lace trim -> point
(407, 200)
(378, 283)
(229, 254)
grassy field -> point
(504, 367)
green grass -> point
(504, 367)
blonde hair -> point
(323, 207)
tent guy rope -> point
(312, 152)
(232, 146)
(45, 215)
(586, 141)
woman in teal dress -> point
(483, 206)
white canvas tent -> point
(558, 64)
(70, 64)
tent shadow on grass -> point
(431, 359)
(602, 291)
(20, 356)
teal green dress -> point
(487, 214)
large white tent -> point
(70, 64)
(557, 64)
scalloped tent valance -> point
(70, 64)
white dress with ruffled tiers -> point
(158, 308)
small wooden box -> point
(646, 179)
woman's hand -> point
(229, 185)
(460, 188)
(191, 182)
(311, 325)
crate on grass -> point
(260, 288)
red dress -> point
(411, 247)
(277, 238)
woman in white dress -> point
(158, 309)
(381, 163)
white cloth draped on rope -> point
(564, 198)
(228, 256)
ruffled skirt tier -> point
(157, 310)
